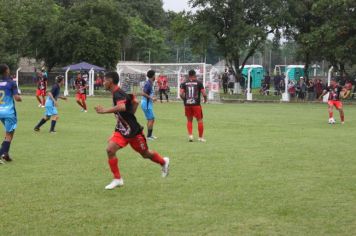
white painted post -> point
(91, 82)
(249, 94)
(326, 96)
(178, 82)
(66, 92)
(204, 75)
(17, 79)
(285, 95)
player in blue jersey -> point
(147, 103)
(51, 105)
(8, 93)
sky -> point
(176, 5)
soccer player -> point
(81, 92)
(41, 89)
(127, 130)
(163, 86)
(190, 92)
(8, 93)
(51, 105)
(334, 91)
(147, 103)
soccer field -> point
(266, 169)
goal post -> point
(133, 76)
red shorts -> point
(194, 111)
(138, 143)
(40, 92)
(80, 96)
(337, 104)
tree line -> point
(103, 32)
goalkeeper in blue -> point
(8, 95)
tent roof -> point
(83, 66)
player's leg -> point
(54, 120)
(78, 100)
(139, 144)
(189, 115)
(166, 94)
(42, 122)
(43, 98)
(339, 107)
(116, 142)
(331, 113)
(83, 99)
(38, 94)
(160, 94)
(150, 122)
(198, 114)
(10, 126)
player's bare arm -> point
(63, 98)
(204, 95)
(118, 108)
(182, 94)
(134, 105)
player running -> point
(190, 92)
(41, 89)
(147, 103)
(51, 105)
(163, 86)
(8, 117)
(127, 130)
(81, 92)
(334, 91)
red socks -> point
(113, 163)
(157, 159)
(84, 105)
(201, 129)
(190, 127)
(331, 114)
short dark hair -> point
(114, 76)
(3, 68)
(192, 73)
(59, 78)
(151, 73)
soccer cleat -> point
(115, 183)
(39, 105)
(42, 106)
(154, 137)
(202, 140)
(191, 138)
(1, 161)
(6, 158)
(52, 132)
(165, 167)
(36, 129)
(85, 111)
(150, 138)
(342, 122)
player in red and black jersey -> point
(334, 91)
(127, 130)
(81, 92)
(190, 92)
(41, 89)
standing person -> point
(276, 81)
(81, 92)
(318, 88)
(190, 92)
(51, 105)
(163, 86)
(147, 103)
(127, 130)
(231, 82)
(334, 91)
(267, 81)
(225, 79)
(311, 90)
(41, 89)
(8, 117)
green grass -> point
(267, 169)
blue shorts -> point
(10, 123)
(51, 111)
(149, 114)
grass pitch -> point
(267, 169)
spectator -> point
(318, 88)
(291, 89)
(301, 89)
(225, 78)
(311, 90)
(267, 81)
(231, 83)
(277, 80)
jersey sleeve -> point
(14, 88)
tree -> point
(237, 26)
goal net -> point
(133, 77)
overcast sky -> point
(176, 5)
